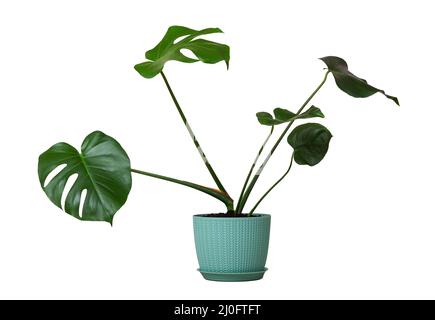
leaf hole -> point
(188, 53)
(82, 201)
(54, 173)
(181, 38)
(69, 184)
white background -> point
(361, 224)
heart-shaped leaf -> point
(103, 169)
(310, 142)
(284, 115)
(168, 49)
(350, 83)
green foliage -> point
(103, 169)
(284, 115)
(169, 49)
(310, 142)
(350, 83)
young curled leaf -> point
(310, 142)
(169, 49)
(284, 115)
(350, 83)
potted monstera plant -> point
(230, 246)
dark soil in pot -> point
(228, 215)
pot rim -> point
(255, 215)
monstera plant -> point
(102, 167)
(227, 249)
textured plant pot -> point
(232, 249)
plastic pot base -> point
(233, 277)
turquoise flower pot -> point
(232, 249)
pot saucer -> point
(233, 277)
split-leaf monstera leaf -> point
(284, 115)
(310, 142)
(102, 168)
(350, 83)
(169, 49)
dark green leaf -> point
(103, 169)
(168, 49)
(312, 112)
(266, 119)
(284, 115)
(350, 83)
(310, 142)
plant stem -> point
(271, 188)
(210, 191)
(256, 176)
(192, 135)
(252, 169)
